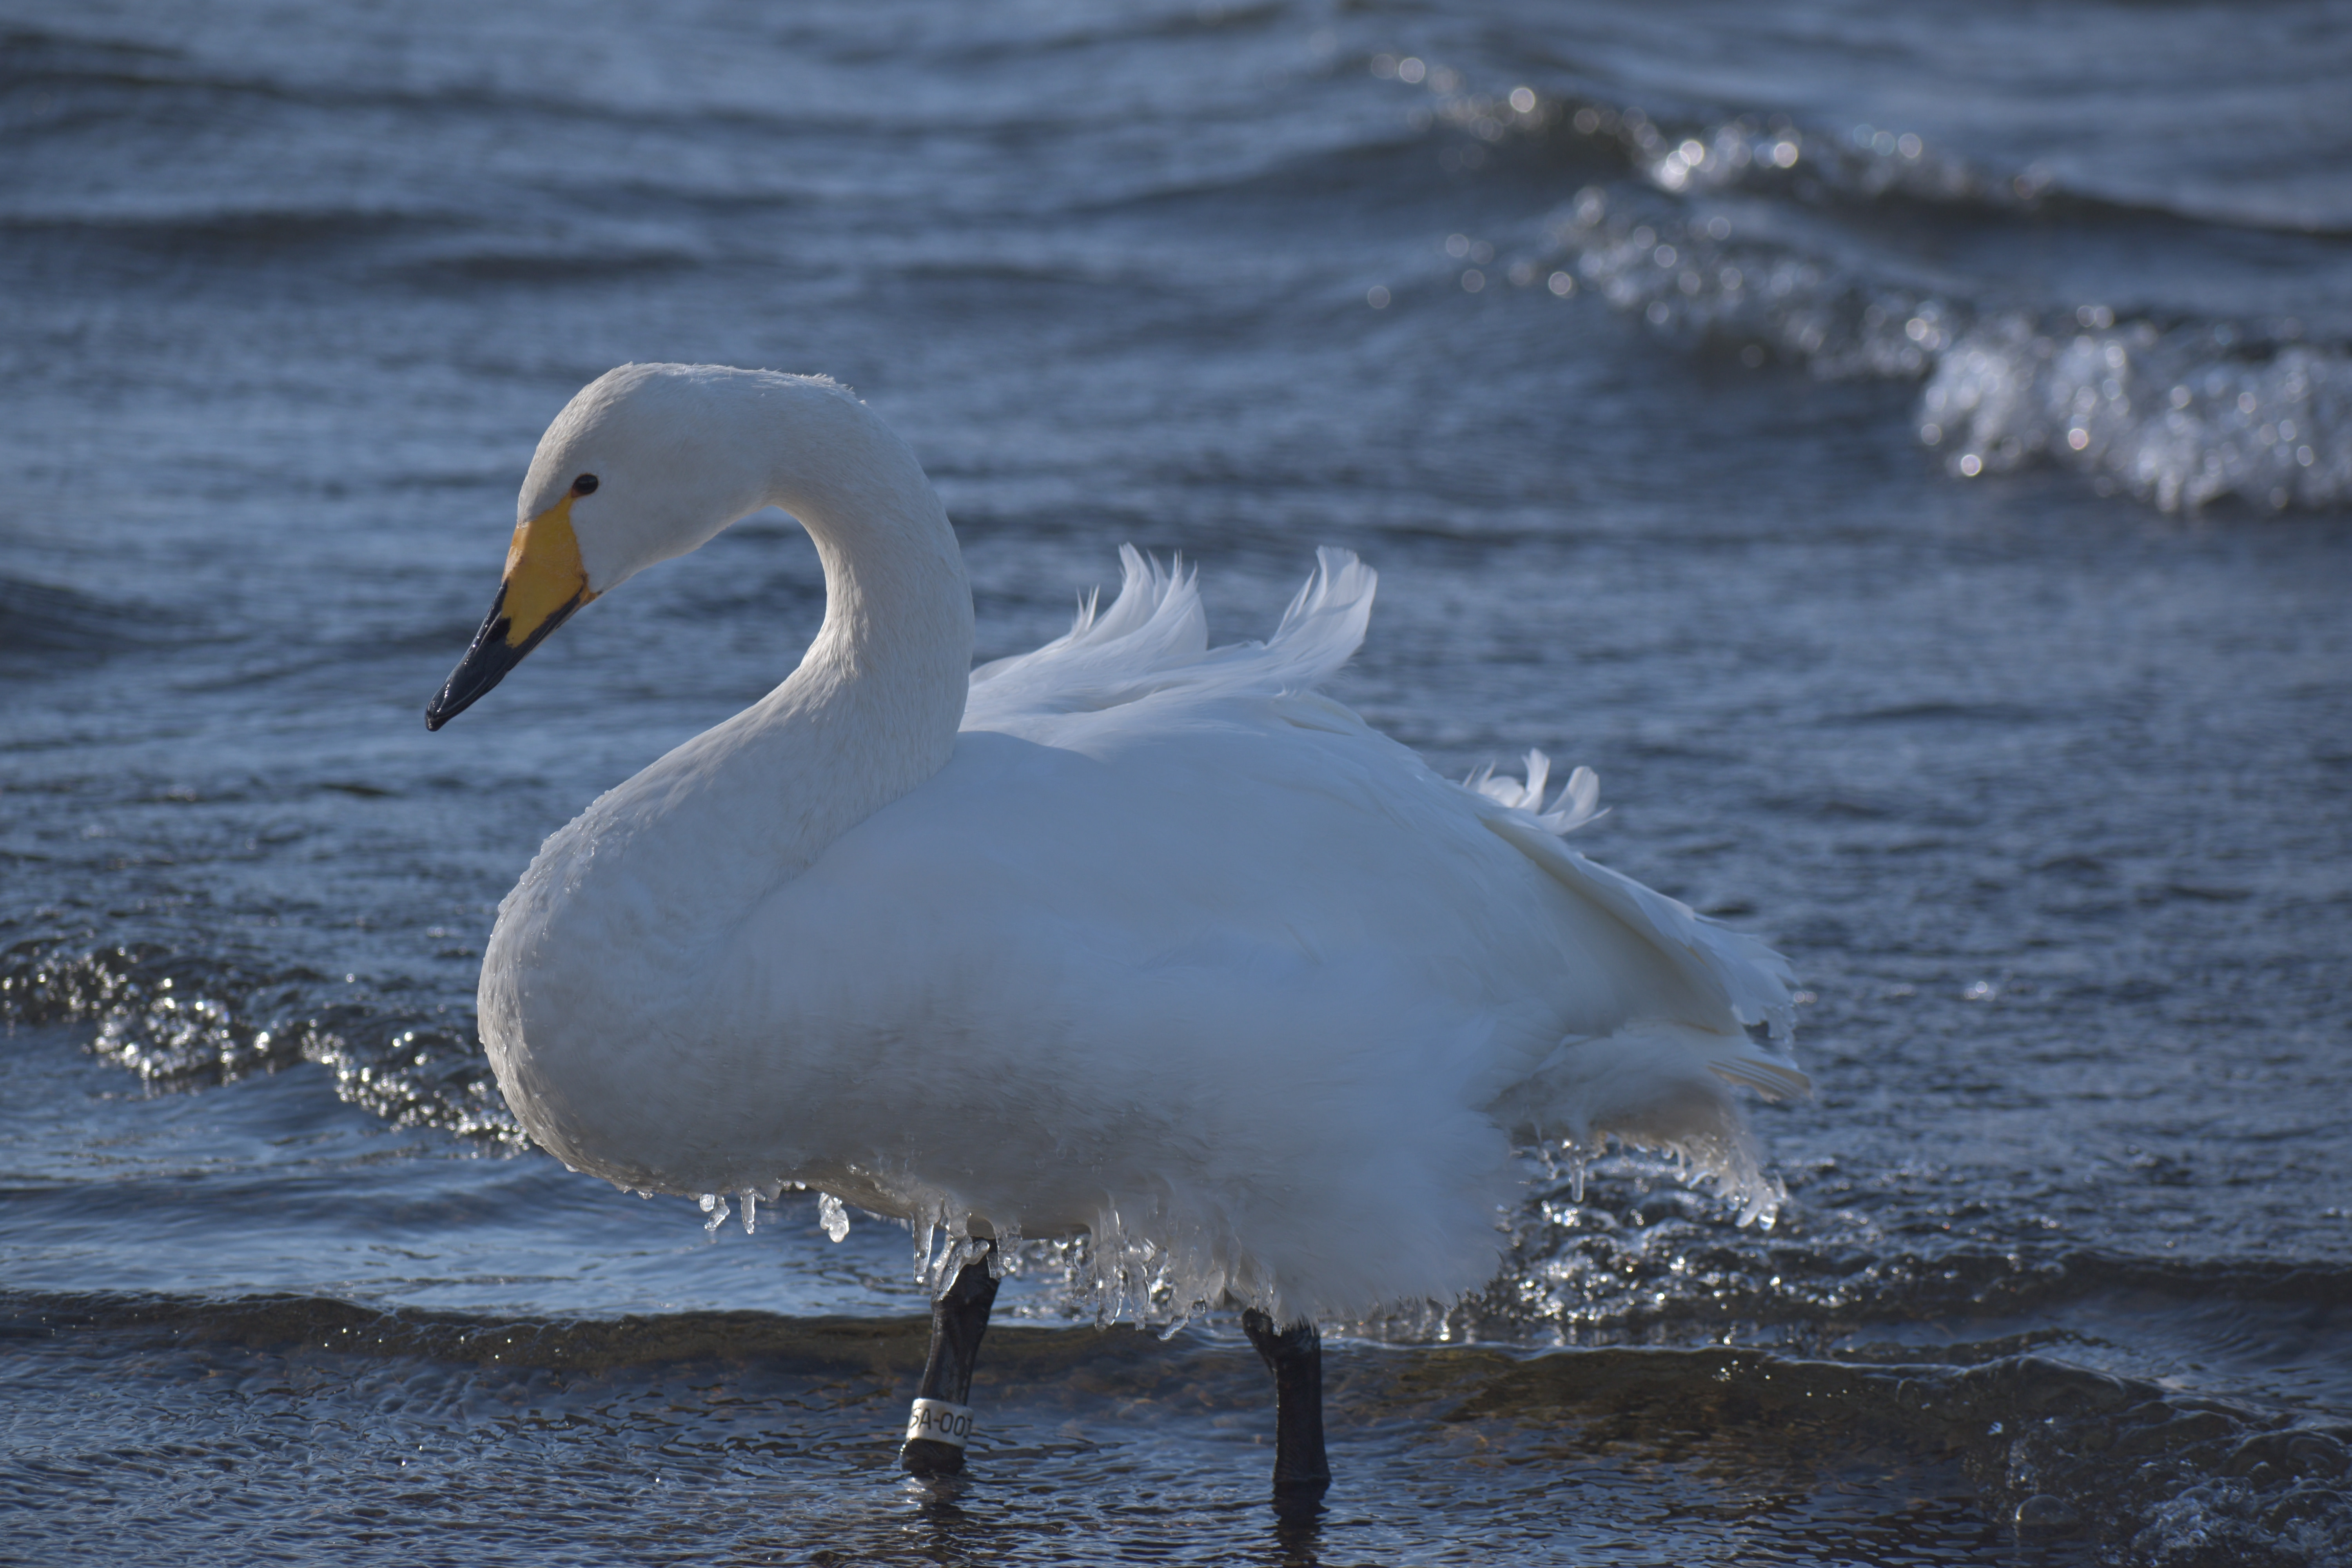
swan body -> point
(1128, 935)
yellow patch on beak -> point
(543, 573)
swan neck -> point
(873, 710)
(888, 670)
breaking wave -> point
(2179, 412)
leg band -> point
(940, 1421)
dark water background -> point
(1904, 452)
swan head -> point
(646, 462)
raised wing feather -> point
(1154, 641)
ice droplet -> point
(1003, 1258)
(717, 1209)
(831, 1215)
(750, 1211)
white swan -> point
(1128, 935)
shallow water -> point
(1918, 538)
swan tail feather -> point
(1755, 983)
(1657, 1083)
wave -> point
(43, 620)
(31, 59)
(564, 1344)
(1776, 156)
(179, 1022)
(230, 230)
(2136, 1470)
(2180, 413)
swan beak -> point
(544, 583)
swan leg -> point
(941, 1420)
(1294, 1356)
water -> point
(1946, 597)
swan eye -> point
(585, 485)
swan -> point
(1128, 937)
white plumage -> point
(1128, 935)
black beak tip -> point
(489, 660)
(468, 683)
